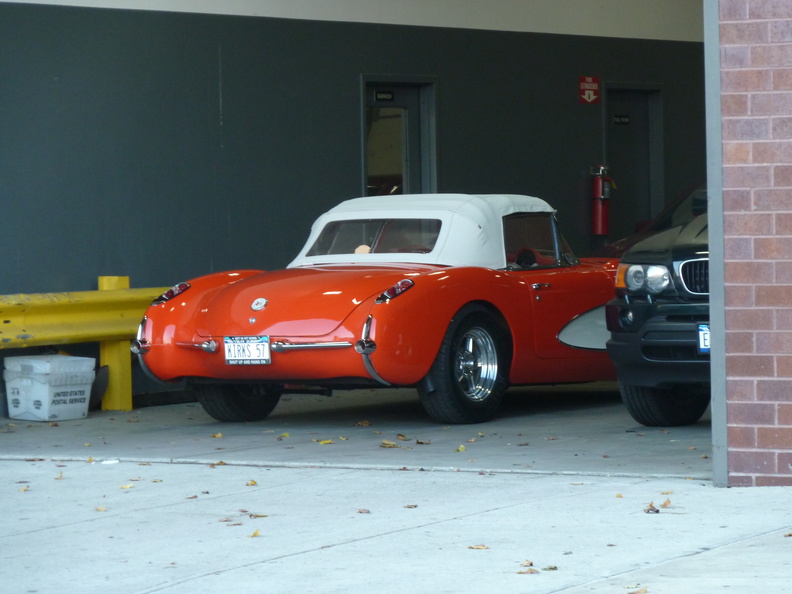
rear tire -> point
(238, 403)
(468, 378)
(666, 407)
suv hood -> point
(684, 242)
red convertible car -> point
(456, 295)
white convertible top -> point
(471, 233)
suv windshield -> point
(682, 212)
(377, 236)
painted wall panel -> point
(168, 145)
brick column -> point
(756, 103)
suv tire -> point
(684, 404)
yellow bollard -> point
(115, 354)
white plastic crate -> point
(48, 387)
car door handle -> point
(539, 286)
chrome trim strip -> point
(373, 372)
(144, 346)
(209, 346)
(281, 347)
(365, 346)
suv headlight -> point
(642, 278)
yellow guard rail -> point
(109, 316)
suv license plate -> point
(247, 350)
(703, 339)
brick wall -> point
(756, 103)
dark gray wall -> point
(163, 146)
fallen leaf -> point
(144, 463)
(251, 483)
(413, 506)
(388, 444)
(217, 435)
(526, 563)
(362, 424)
(788, 535)
(284, 435)
(401, 437)
(551, 438)
(666, 493)
(343, 438)
(478, 547)
(59, 477)
(326, 442)
(193, 497)
(471, 440)
(255, 534)
(651, 509)
(90, 459)
(641, 591)
(619, 496)
(87, 445)
(421, 442)
(460, 449)
(692, 448)
(528, 571)
(127, 486)
(364, 511)
(666, 504)
(254, 516)
(101, 509)
(550, 568)
(25, 488)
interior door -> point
(395, 140)
(633, 154)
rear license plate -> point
(247, 350)
(703, 339)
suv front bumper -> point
(660, 347)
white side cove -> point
(673, 20)
(587, 331)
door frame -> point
(427, 91)
(654, 93)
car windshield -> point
(682, 212)
(377, 236)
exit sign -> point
(589, 89)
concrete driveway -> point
(361, 493)
(581, 430)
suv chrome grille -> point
(695, 276)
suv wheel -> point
(666, 407)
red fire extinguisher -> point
(600, 200)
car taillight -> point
(396, 290)
(171, 293)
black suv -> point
(659, 324)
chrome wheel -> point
(477, 364)
(468, 377)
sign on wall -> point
(589, 89)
